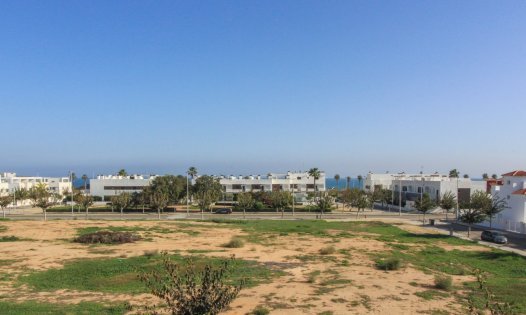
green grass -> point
(506, 271)
(431, 295)
(42, 308)
(3, 228)
(9, 238)
(161, 229)
(119, 275)
(320, 228)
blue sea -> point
(331, 183)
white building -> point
(298, 182)
(107, 186)
(411, 186)
(513, 190)
(10, 182)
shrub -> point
(107, 237)
(9, 239)
(392, 263)
(327, 250)
(258, 205)
(234, 243)
(188, 290)
(443, 283)
(151, 252)
(260, 310)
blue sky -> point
(239, 87)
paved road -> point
(197, 215)
(515, 240)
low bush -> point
(329, 250)
(9, 239)
(234, 243)
(392, 263)
(443, 283)
(151, 252)
(107, 237)
(260, 310)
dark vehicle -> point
(494, 236)
(223, 211)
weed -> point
(260, 310)
(329, 250)
(443, 283)
(234, 243)
(392, 263)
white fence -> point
(508, 225)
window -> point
(236, 187)
(419, 190)
(508, 182)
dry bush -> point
(107, 237)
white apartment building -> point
(298, 182)
(10, 182)
(411, 186)
(513, 190)
(107, 186)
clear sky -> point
(237, 87)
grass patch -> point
(119, 275)
(9, 239)
(3, 228)
(431, 295)
(34, 307)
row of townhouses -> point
(298, 182)
(10, 183)
(409, 187)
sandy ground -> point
(358, 287)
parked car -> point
(223, 211)
(493, 236)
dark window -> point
(123, 187)
(236, 187)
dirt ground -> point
(309, 286)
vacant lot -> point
(293, 267)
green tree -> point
(121, 201)
(20, 194)
(158, 201)
(4, 202)
(171, 186)
(454, 173)
(485, 176)
(466, 176)
(315, 174)
(497, 206)
(279, 200)
(207, 191)
(474, 211)
(122, 172)
(245, 201)
(85, 201)
(141, 199)
(324, 203)
(348, 182)
(42, 198)
(424, 205)
(448, 202)
(494, 176)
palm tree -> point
(337, 178)
(85, 179)
(315, 173)
(454, 173)
(122, 172)
(485, 176)
(494, 176)
(192, 172)
(348, 182)
(360, 178)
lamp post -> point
(187, 196)
(71, 196)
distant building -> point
(410, 187)
(513, 190)
(299, 182)
(107, 186)
(10, 183)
